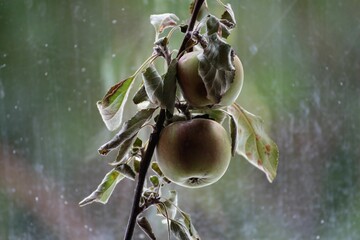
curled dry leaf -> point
(163, 21)
(252, 142)
(216, 67)
(111, 107)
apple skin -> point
(193, 88)
(193, 153)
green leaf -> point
(136, 164)
(163, 21)
(154, 180)
(169, 88)
(136, 146)
(216, 68)
(111, 107)
(140, 96)
(179, 230)
(253, 143)
(155, 167)
(153, 85)
(126, 170)
(128, 130)
(105, 188)
(146, 227)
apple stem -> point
(154, 138)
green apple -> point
(193, 153)
(193, 87)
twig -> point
(154, 138)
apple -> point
(193, 87)
(193, 153)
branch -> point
(154, 138)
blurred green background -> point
(302, 68)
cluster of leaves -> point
(159, 91)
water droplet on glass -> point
(4, 55)
(14, 151)
(83, 69)
(123, 9)
(141, 236)
(339, 102)
(36, 199)
(114, 21)
(341, 83)
(69, 109)
(113, 55)
(75, 45)
(317, 237)
(322, 221)
(46, 45)
(86, 226)
(253, 49)
(46, 73)
(16, 107)
(2, 66)
(66, 202)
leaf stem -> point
(154, 138)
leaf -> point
(216, 68)
(216, 26)
(155, 168)
(105, 188)
(128, 130)
(111, 107)
(253, 143)
(136, 164)
(124, 150)
(167, 207)
(229, 16)
(124, 154)
(163, 21)
(154, 180)
(146, 227)
(136, 146)
(179, 230)
(190, 227)
(140, 96)
(169, 88)
(153, 85)
(127, 171)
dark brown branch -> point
(154, 138)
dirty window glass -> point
(302, 66)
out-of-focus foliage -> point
(301, 61)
